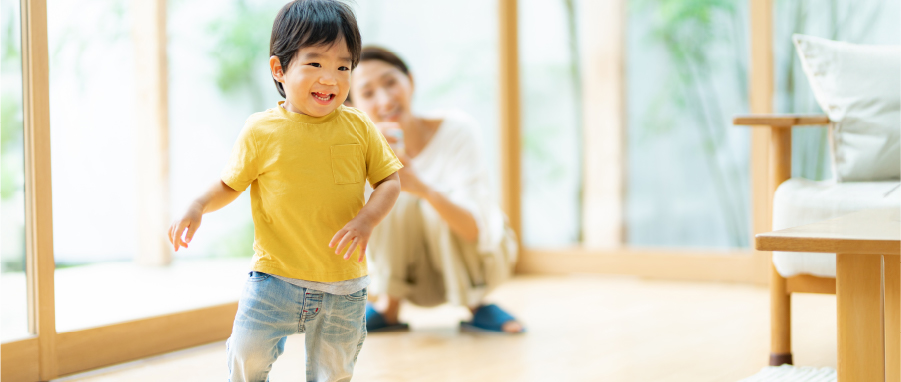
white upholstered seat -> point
(801, 201)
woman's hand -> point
(409, 179)
(385, 128)
(393, 134)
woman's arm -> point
(458, 218)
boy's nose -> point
(328, 80)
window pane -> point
(14, 316)
(455, 67)
(94, 135)
(688, 183)
(208, 105)
(859, 22)
(551, 152)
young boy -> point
(305, 162)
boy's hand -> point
(356, 233)
(191, 221)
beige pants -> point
(413, 255)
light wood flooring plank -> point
(581, 328)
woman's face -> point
(382, 91)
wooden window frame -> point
(49, 354)
(600, 253)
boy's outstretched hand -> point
(219, 195)
(191, 221)
(356, 233)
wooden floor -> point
(581, 328)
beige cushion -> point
(800, 201)
(859, 87)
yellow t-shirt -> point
(307, 178)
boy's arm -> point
(357, 231)
(218, 196)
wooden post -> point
(765, 178)
(38, 191)
(780, 158)
(152, 131)
(892, 302)
(859, 294)
(761, 85)
(510, 138)
(602, 30)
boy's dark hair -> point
(304, 23)
(377, 53)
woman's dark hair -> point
(376, 53)
(304, 23)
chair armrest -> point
(780, 120)
(780, 150)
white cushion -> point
(799, 201)
(859, 88)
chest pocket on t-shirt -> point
(347, 164)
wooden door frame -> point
(49, 354)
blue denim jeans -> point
(271, 309)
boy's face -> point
(317, 80)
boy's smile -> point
(317, 79)
(323, 98)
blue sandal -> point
(375, 322)
(489, 318)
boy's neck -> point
(290, 107)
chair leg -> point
(780, 320)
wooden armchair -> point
(781, 288)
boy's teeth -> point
(324, 97)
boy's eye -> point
(343, 68)
(315, 65)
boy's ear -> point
(275, 66)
